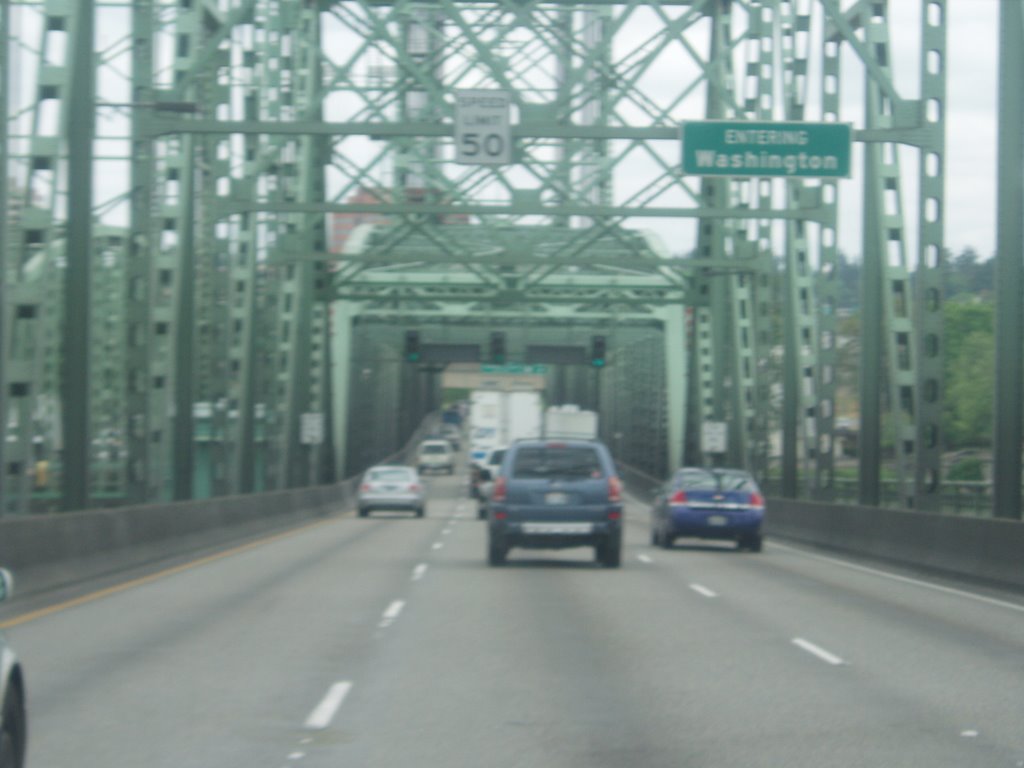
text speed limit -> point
(482, 134)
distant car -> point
(452, 434)
(13, 717)
(555, 495)
(697, 502)
(434, 455)
(482, 472)
(481, 479)
(392, 487)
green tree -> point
(970, 372)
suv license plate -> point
(558, 528)
(556, 498)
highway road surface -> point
(388, 642)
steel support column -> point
(1009, 394)
(81, 118)
(342, 314)
(674, 324)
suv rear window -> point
(434, 449)
(562, 462)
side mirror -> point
(6, 584)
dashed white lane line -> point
(437, 545)
(446, 531)
(702, 590)
(419, 571)
(296, 755)
(389, 616)
(818, 651)
(324, 712)
(645, 559)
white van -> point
(433, 455)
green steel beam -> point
(520, 209)
(5, 35)
(77, 381)
(1009, 394)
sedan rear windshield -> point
(567, 463)
(434, 449)
(390, 475)
(717, 480)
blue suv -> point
(556, 494)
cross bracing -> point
(229, 132)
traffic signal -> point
(412, 346)
(598, 353)
(498, 348)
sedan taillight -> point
(364, 488)
(756, 500)
(500, 490)
(414, 487)
(679, 497)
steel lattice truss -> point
(234, 129)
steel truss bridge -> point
(173, 311)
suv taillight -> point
(614, 489)
(500, 491)
(679, 497)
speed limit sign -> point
(482, 134)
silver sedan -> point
(392, 487)
(13, 724)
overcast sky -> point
(971, 125)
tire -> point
(610, 553)
(12, 738)
(481, 513)
(754, 542)
(496, 553)
(667, 540)
(363, 512)
(655, 537)
(420, 512)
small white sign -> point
(482, 134)
(311, 430)
(714, 437)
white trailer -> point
(498, 418)
(570, 422)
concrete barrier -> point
(977, 548)
(50, 552)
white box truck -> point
(498, 418)
(570, 422)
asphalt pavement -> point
(389, 642)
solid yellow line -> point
(99, 594)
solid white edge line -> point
(393, 610)
(821, 653)
(702, 590)
(324, 712)
(904, 579)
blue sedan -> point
(708, 503)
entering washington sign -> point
(747, 148)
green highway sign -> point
(749, 148)
(514, 368)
